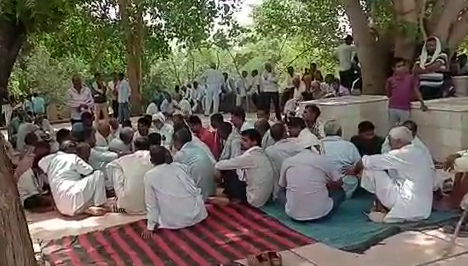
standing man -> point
(242, 87)
(123, 98)
(80, 99)
(269, 90)
(254, 88)
(213, 80)
(100, 98)
(38, 104)
(113, 89)
(7, 109)
(345, 53)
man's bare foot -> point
(377, 217)
(96, 211)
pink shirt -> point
(210, 139)
(400, 90)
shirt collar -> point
(332, 138)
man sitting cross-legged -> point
(122, 143)
(173, 200)
(75, 186)
(200, 166)
(252, 180)
(127, 175)
(297, 129)
(342, 154)
(263, 127)
(306, 177)
(399, 179)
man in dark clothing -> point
(366, 141)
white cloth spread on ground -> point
(305, 177)
(200, 167)
(257, 171)
(342, 154)
(399, 180)
(172, 199)
(74, 183)
(127, 174)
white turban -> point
(331, 127)
(159, 117)
(401, 133)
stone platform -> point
(351, 110)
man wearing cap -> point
(165, 130)
(398, 179)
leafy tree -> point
(381, 29)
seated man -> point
(152, 108)
(252, 182)
(115, 128)
(127, 174)
(99, 156)
(173, 201)
(458, 164)
(342, 154)
(238, 120)
(208, 137)
(143, 127)
(306, 177)
(297, 129)
(76, 188)
(263, 127)
(200, 166)
(24, 129)
(413, 127)
(366, 141)
(232, 141)
(398, 179)
(282, 149)
(165, 130)
(103, 131)
(123, 143)
(154, 139)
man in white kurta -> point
(213, 80)
(297, 129)
(165, 130)
(74, 184)
(122, 143)
(252, 167)
(198, 162)
(342, 153)
(232, 146)
(399, 178)
(173, 200)
(127, 174)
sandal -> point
(275, 258)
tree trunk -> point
(12, 37)
(15, 243)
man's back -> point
(213, 77)
(341, 153)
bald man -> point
(398, 179)
(103, 131)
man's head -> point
(121, 76)
(154, 139)
(400, 66)
(143, 126)
(126, 135)
(431, 45)
(313, 67)
(332, 128)
(254, 73)
(295, 126)
(31, 139)
(181, 137)
(238, 117)
(212, 65)
(35, 95)
(104, 129)
(278, 132)
(127, 123)
(296, 82)
(245, 74)
(114, 123)
(311, 113)
(68, 146)
(77, 132)
(77, 82)
(225, 75)
(330, 79)
(224, 129)
(87, 119)
(366, 130)
(349, 40)
(268, 67)
(62, 135)
(290, 70)
(158, 120)
(83, 150)
(195, 85)
(178, 119)
(41, 149)
(250, 138)
(262, 126)
(216, 120)
(262, 113)
(159, 155)
(399, 137)
(412, 126)
(195, 124)
(141, 144)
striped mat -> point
(231, 232)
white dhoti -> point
(87, 192)
(212, 98)
(350, 184)
(380, 184)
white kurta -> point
(127, 174)
(72, 192)
(405, 189)
(172, 199)
(100, 140)
(200, 167)
(27, 185)
(166, 132)
(185, 107)
(152, 109)
(117, 145)
(343, 154)
(307, 139)
(267, 140)
(232, 146)
(99, 158)
(278, 153)
(257, 171)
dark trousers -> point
(347, 78)
(431, 93)
(233, 187)
(267, 98)
(115, 108)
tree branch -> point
(359, 22)
(458, 32)
(449, 15)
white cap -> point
(401, 133)
(159, 117)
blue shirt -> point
(124, 92)
(38, 104)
